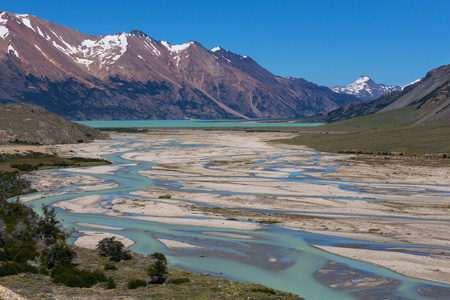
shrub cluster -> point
(158, 270)
(26, 238)
(178, 281)
(113, 249)
(70, 276)
(109, 267)
(135, 283)
(27, 167)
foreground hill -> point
(26, 123)
(424, 102)
(133, 76)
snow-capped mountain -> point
(133, 76)
(429, 98)
(366, 89)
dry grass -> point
(34, 286)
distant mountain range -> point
(366, 89)
(133, 76)
(425, 101)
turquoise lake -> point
(193, 123)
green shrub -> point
(73, 277)
(135, 283)
(158, 270)
(263, 289)
(113, 249)
(110, 284)
(9, 268)
(58, 254)
(109, 267)
(44, 271)
(178, 281)
(14, 268)
(25, 167)
(160, 256)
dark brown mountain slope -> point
(132, 76)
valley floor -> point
(243, 181)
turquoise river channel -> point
(242, 259)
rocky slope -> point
(133, 76)
(431, 98)
(423, 102)
(28, 123)
(366, 89)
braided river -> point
(216, 207)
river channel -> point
(276, 256)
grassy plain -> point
(345, 138)
(33, 161)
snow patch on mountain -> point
(26, 21)
(415, 81)
(41, 51)
(176, 49)
(215, 49)
(40, 32)
(105, 50)
(4, 31)
(365, 89)
(150, 46)
(12, 50)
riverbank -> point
(181, 284)
(252, 181)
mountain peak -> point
(365, 88)
(363, 78)
(139, 33)
(215, 49)
(132, 76)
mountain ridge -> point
(366, 89)
(133, 76)
(425, 101)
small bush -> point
(113, 249)
(263, 289)
(110, 267)
(159, 256)
(178, 281)
(110, 284)
(58, 254)
(14, 268)
(135, 283)
(73, 277)
(158, 270)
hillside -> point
(26, 123)
(424, 102)
(133, 76)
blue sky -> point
(328, 42)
